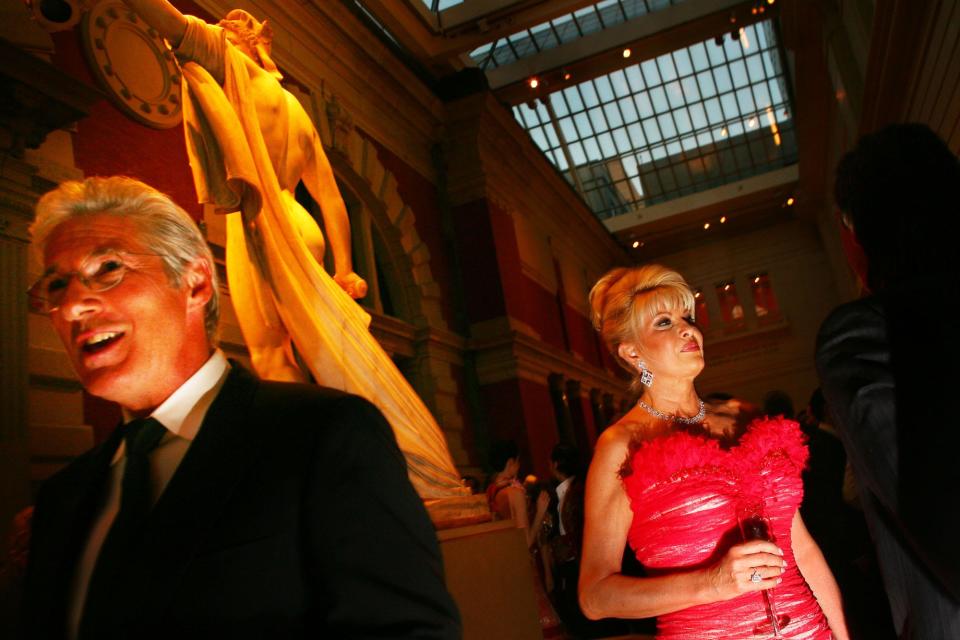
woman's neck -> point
(675, 397)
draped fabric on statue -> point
(685, 492)
(274, 279)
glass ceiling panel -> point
(439, 5)
(566, 28)
(683, 122)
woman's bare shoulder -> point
(620, 438)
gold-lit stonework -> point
(134, 64)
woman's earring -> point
(646, 376)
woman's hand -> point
(354, 285)
(731, 576)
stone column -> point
(16, 209)
(37, 98)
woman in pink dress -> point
(710, 513)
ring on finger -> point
(755, 577)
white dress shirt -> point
(562, 489)
(181, 414)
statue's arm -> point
(162, 16)
(319, 180)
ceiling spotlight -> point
(723, 219)
(752, 122)
(733, 18)
(706, 225)
(566, 75)
(696, 295)
(756, 280)
(753, 10)
(636, 244)
(726, 287)
(723, 132)
(771, 1)
(533, 82)
(627, 53)
(790, 201)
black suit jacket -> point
(291, 515)
(888, 368)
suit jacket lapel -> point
(194, 498)
(62, 535)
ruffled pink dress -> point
(686, 491)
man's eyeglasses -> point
(98, 272)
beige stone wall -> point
(759, 359)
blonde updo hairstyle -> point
(626, 298)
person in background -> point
(507, 496)
(567, 470)
(888, 366)
(839, 528)
(568, 532)
(778, 403)
(701, 510)
(508, 501)
(728, 414)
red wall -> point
(477, 246)
(520, 410)
(525, 299)
(581, 334)
(420, 195)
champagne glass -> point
(755, 526)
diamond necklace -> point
(697, 419)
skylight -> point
(566, 28)
(697, 118)
(437, 6)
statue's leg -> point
(307, 227)
(266, 337)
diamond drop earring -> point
(646, 376)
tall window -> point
(764, 300)
(700, 309)
(730, 308)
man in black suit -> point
(888, 367)
(224, 506)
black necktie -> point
(140, 438)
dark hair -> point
(567, 458)
(899, 187)
(818, 405)
(500, 452)
(778, 403)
